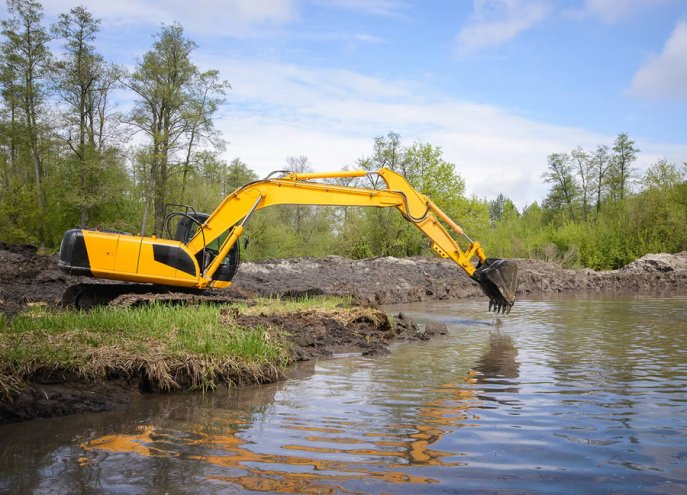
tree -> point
(163, 82)
(423, 165)
(207, 94)
(622, 172)
(564, 192)
(299, 164)
(601, 162)
(84, 83)
(663, 175)
(496, 207)
(26, 60)
(237, 175)
(584, 166)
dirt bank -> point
(36, 389)
(27, 278)
(393, 280)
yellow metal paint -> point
(157, 272)
(128, 250)
(114, 256)
(130, 258)
(102, 249)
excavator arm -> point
(185, 263)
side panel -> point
(128, 250)
(102, 249)
(128, 258)
(167, 262)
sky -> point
(497, 84)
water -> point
(571, 395)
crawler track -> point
(89, 295)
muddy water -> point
(575, 395)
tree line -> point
(66, 159)
(599, 212)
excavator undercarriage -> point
(203, 252)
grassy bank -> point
(165, 347)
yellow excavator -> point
(203, 252)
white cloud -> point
(204, 17)
(374, 7)
(494, 22)
(611, 11)
(370, 39)
(331, 115)
(665, 76)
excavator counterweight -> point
(204, 250)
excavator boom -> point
(207, 256)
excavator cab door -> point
(187, 226)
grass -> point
(168, 347)
(277, 305)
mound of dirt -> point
(27, 278)
(653, 272)
(385, 280)
(393, 280)
(314, 334)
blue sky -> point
(498, 84)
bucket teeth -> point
(498, 279)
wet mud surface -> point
(313, 334)
(393, 280)
(62, 394)
(27, 278)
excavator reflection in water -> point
(333, 456)
(203, 252)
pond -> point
(584, 394)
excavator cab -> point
(189, 224)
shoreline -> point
(51, 369)
(31, 283)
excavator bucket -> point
(499, 281)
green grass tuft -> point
(173, 346)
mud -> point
(392, 280)
(28, 278)
(313, 334)
(61, 394)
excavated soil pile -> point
(392, 280)
(651, 273)
(314, 334)
(27, 278)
